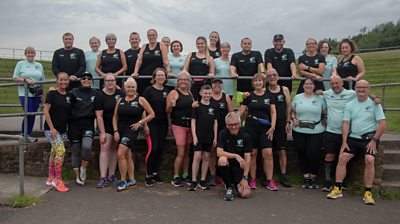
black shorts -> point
(202, 147)
(259, 137)
(235, 171)
(358, 146)
(279, 142)
(332, 143)
(78, 129)
(128, 138)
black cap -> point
(217, 80)
(87, 74)
(278, 37)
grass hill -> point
(381, 67)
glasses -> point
(233, 125)
(272, 75)
(110, 81)
(86, 78)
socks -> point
(368, 189)
(328, 170)
(184, 175)
(339, 185)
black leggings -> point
(308, 148)
(158, 133)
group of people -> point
(199, 113)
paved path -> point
(167, 204)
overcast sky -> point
(41, 23)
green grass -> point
(18, 201)
(381, 67)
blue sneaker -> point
(102, 183)
(131, 183)
(122, 186)
(113, 179)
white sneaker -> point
(80, 182)
(82, 174)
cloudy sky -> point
(41, 23)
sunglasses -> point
(86, 78)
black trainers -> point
(314, 184)
(203, 185)
(327, 187)
(149, 182)
(285, 183)
(229, 194)
(187, 180)
(193, 186)
(307, 183)
(176, 182)
(157, 179)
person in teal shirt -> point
(324, 48)
(29, 71)
(308, 110)
(222, 68)
(91, 59)
(365, 122)
(176, 62)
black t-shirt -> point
(313, 62)
(129, 112)
(82, 103)
(205, 117)
(280, 106)
(131, 57)
(346, 69)
(71, 62)
(198, 66)
(246, 65)
(239, 144)
(151, 60)
(181, 113)
(281, 62)
(221, 107)
(59, 111)
(106, 103)
(157, 100)
(215, 54)
(110, 62)
(258, 107)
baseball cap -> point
(217, 80)
(278, 37)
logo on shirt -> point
(346, 64)
(157, 52)
(72, 56)
(239, 142)
(252, 60)
(254, 101)
(221, 105)
(68, 99)
(92, 99)
(266, 101)
(117, 97)
(217, 54)
(134, 104)
(368, 109)
(204, 61)
(79, 99)
(284, 57)
(164, 94)
(121, 103)
(316, 61)
(280, 98)
(211, 111)
(125, 140)
(242, 60)
(116, 56)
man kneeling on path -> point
(233, 151)
(366, 122)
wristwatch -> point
(245, 178)
(375, 139)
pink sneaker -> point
(253, 184)
(49, 181)
(271, 185)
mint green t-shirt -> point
(309, 109)
(331, 62)
(26, 69)
(363, 116)
(222, 69)
(335, 104)
(91, 60)
(176, 65)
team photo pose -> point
(324, 48)
(127, 120)
(176, 62)
(260, 125)
(215, 45)
(132, 53)
(222, 68)
(91, 60)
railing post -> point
(21, 148)
(383, 96)
(350, 84)
(26, 112)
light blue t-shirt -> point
(309, 109)
(222, 69)
(335, 104)
(91, 60)
(26, 69)
(363, 116)
(331, 62)
(176, 65)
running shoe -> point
(328, 187)
(203, 185)
(285, 183)
(49, 181)
(368, 199)
(271, 185)
(229, 194)
(122, 186)
(31, 139)
(102, 183)
(314, 184)
(335, 193)
(82, 173)
(187, 180)
(213, 181)
(307, 183)
(157, 179)
(130, 183)
(149, 182)
(113, 179)
(79, 181)
(193, 186)
(253, 184)
(176, 182)
(60, 186)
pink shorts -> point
(183, 135)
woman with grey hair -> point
(111, 61)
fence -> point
(14, 53)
